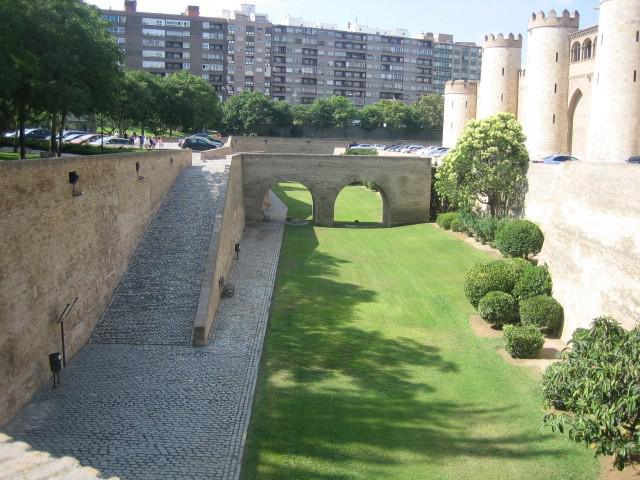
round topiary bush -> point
(523, 341)
(519, 238)
(542, 311)
(518, 266)
(444, 219)
(456, 225)
(533, 281)
(498, 308)
(494, 276)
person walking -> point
(160, 143)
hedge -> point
(543, 312)
(361, 151)
(523, 341)
(519, 238)
(532, 282)
(498, 308)
(444, 219)
(488, 277)
(456, 225)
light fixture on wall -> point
(73, 180)
(140, 177)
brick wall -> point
(56, 247)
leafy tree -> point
(253, 112)
(429, 112)
(321, 114)
(595, 391)
(189, 102)
(488, 165)
(301, 114)
(282, 114)
(397, 114)
(371, 116)
(334, 111)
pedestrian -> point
(141, 139)
(160, 143)
(147, 142)
(132, 139)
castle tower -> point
(614, 128)
(501, 58)
(460, 99)
(547, 82)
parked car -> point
(38, 134)
(210, 133)
(633, 160)
(110, 142)
(73, 136)
(440, 152)
(556, 159)
(208, 137)
(198, 143)
(363, 146)
(89, 137)
(70, 133)
(391, 147)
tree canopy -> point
(488, 165)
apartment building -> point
(162, 43)
(295, 61)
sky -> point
(467, 20)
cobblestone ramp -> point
(164, 411)
(157, 299)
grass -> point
(370, 370)
(16, 156)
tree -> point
(334, 111)
(595, 391)
(488, 165)
(321, 114)
(190, 102)
(371, 116)
(301, 114)
(429, 112)
(397, 114)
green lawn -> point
(370, 369)
(15, 156)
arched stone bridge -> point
(404, 182)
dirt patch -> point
(607, 472)
(483, 329)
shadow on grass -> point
(333, 393)
(297, 209)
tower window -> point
(637, 36)
(555, 88)
(556, 56)
(635, 75)
(466, 103)
(502, 97)
(554, 118)
(503, 71)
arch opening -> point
(575, 52)
(578, 125)
(361, 202)
(587, 49)
(293, 195)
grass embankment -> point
(15, 156)
(371, 371)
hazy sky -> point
(467, 20)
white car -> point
(110, 142)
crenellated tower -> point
(460, 99)
(501, 59)
(547, 82)
(614, 127)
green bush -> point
(456, 226)
(498, 308)
(542, 311)
(486, 226)
(519, 238)
(469, 222)
(444, 219)
(517, 266)
(533, 281)
(523, 341)
(361, 151)
(494, 276)
(597, 383)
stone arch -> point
(587, 49)
(266, 187)
(578, 114)
(384, 195)
(575, 52)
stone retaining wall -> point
(305, 145)
(590, 215)
(56, 247)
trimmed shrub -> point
(361, 151)
(486, 225)
(469, 222)
(532, 282)
(518, 266)
(542, 311)
(523, 341)
(444, 219)
(498, 308)
(456, 226)
(519, 238)
(494, 276)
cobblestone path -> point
(139, 402)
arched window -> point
(593, 50)
(575, 52)
(587, 49)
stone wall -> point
(227, 230)
(302, 145)
(590, 215)
(56, 247)
(405, 182)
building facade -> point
(295, 61)
(579, 93)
